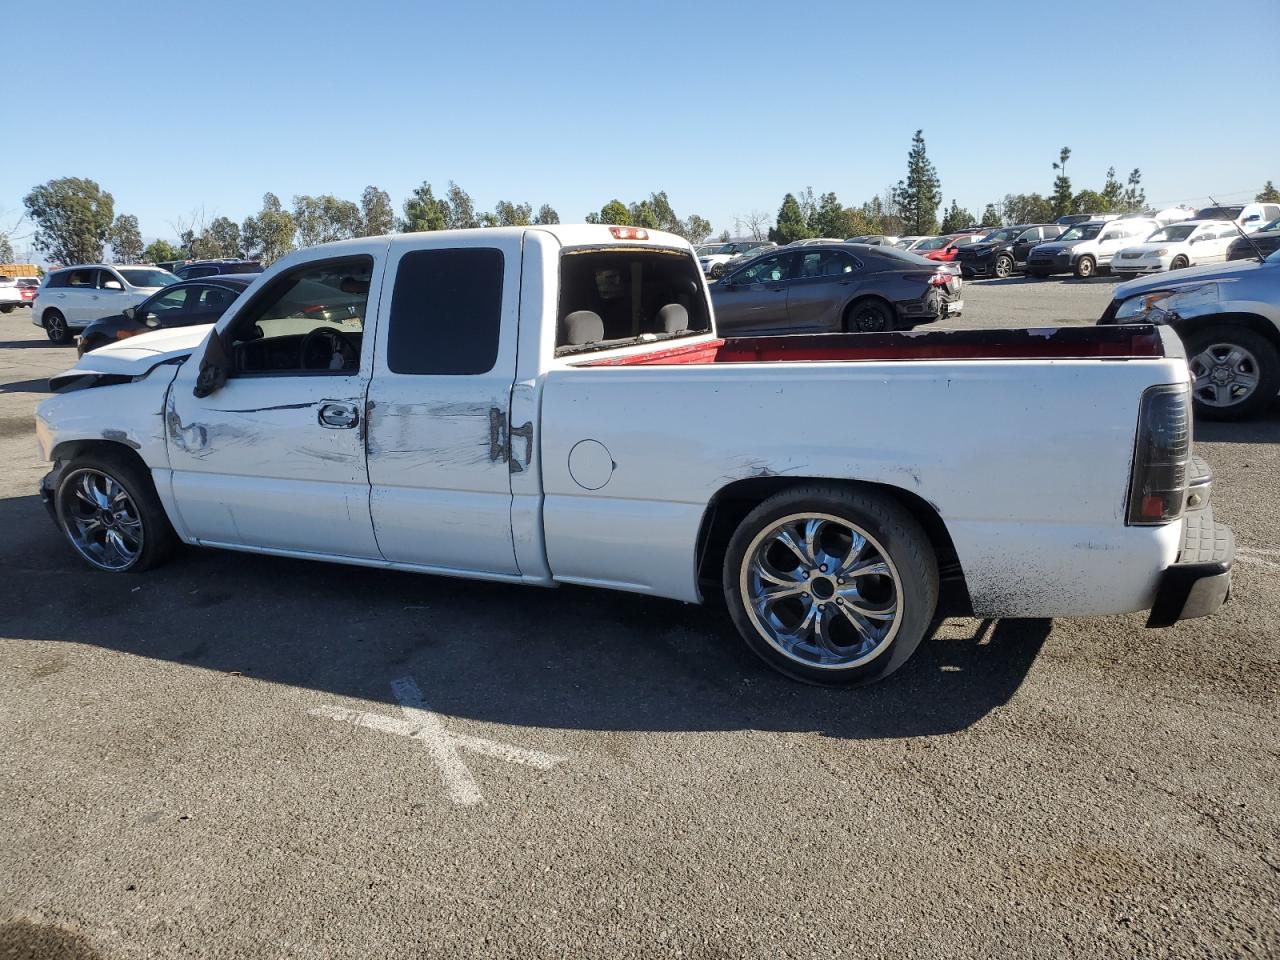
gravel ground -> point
(1021, 789)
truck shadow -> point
(569, 658)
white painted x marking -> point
(420, 723)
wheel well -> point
(70, 450)
(731, 504)
(1250, 321)
(869, 298)
(44, 315)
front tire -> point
(831, 585)
(55, 327)
(1179, 263)
(717, 271)
(1085, 267)
(7, 307)
(1235, 372)
(108, 510)
(1004, 267)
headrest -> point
(583, 326)
(673, 318)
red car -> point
(944, 248)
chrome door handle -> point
(338, 415)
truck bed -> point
(1051, 343)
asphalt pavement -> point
(240, 756)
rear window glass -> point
(446, 312)
(614, 296)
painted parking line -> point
(421, 724)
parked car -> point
(555, 405)
(871, 239)
(713, 256)
(909, 244)
(1087, 247)
(1003, 251)
(72, 298)
(1228, 315)
(212, 268)
(10, 294)
(1250, 216)
(834, 287)
(1177, 246)
(184, 304)
(1071, 219)
(945, 249)
(27, 287)
(1265, 241)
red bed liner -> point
(1060, 343)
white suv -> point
(1087, 247)
(72, 298)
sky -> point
(726, 106)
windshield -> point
(1274, 256)
(1173, 234)
(936, 243)
(1002, 236)
(148, 278)
(1083, 231)
(612, 297)
(1219, 213)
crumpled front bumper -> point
(1199, 583)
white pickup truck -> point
(551, 405)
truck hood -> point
(135, 356)
(1180, 278)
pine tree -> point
(1135, 198)
(991, 216)
(920, 194)
(1112, 194)
(791, 222)
(1269, 194)
(1061, 201)
(956, 218)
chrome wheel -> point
(56, 327)
(100, 519)
(821, 591)
(1004, 267)
(1223, 375)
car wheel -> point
(108, 510)
(868, 316)
(1085, 267)
(1235, 372)
(1179, 263)
(55, 327)
(717, 271)
(1004, 267)
(7, 307)
(831, 585)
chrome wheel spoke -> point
(101, 520)
(874, 567)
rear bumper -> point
(1199, 583)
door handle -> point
(338, 415)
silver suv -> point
(72, 298)
(1228, 315)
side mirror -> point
(130, 313)
(152, 321)
(112, 285)
(213, 366)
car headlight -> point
(1162, 252)
(1154, 307)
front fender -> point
(131, 414)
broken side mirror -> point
(213, 366)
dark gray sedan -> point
(840, 287)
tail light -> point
(1158, 487)
(629, 233)
(940, 279)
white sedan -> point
(1175, 246)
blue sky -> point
(726, 106)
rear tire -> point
(717, 271)
(831, 585)
(867, 316)
(108, 510)
(1235, 372)
(55, 327)
(1085, 267)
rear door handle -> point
(338, 415)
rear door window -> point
(446, 312)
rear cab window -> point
(618, 296)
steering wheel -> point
(339, 343)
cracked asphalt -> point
(177, 778)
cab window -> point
(769, 270)
(310, 320)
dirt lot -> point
(215, 759)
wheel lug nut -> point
(823, 568)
